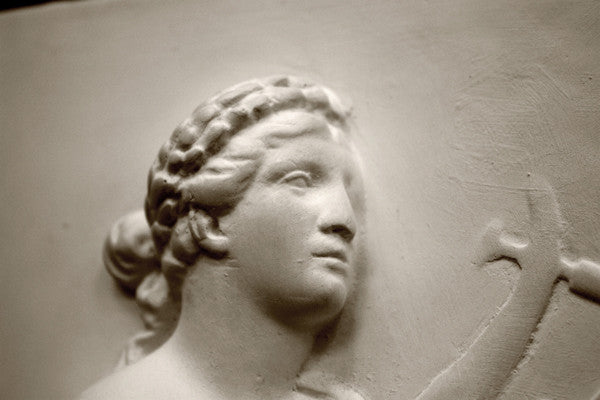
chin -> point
(318, 306)
(333, 297)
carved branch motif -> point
(542, 252)
(486, 368)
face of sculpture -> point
(293, 234)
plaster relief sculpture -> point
(250, 245)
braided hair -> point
(197, 176)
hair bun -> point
(129, 252)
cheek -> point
(271, 232)
(288, 222)
(271, 247)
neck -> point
(228, 343)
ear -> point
(207, 234)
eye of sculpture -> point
(301, 179)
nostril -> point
(342, 231)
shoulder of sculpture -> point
(318, 384)
(336, 391)
(117, 386)
(138, 381)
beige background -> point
(456, 102)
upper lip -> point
(335, 253)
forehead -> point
(288, 124)
(298, 136)
(312, 152)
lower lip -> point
(334, 264)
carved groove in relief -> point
(488, 366)
(546, 229)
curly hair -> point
(197, 176)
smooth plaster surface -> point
(456, 102)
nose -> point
(337, 216)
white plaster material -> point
(254, 211)
(250, 254)
(486, 368)
(478, 134)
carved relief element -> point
(250, 238)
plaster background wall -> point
(456, 101)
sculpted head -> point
(264, 178)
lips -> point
(334, 259)
(338, 254)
